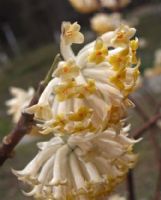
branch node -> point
(7, 140)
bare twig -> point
(130, 186)
(25, 122)
(149, 124)
(154, 141)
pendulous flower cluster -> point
(85, 107)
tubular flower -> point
(79, 167)
(102, 23)
(85, 6)
(20, 100)
(71, 33)
(97, 79)
(100, 52)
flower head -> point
(98, 79)
(79, 167)
(85, 106)
(20, 100)
(85, 6)
(102, 23)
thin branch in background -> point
(146, 126)
(130, 186)
(158, 156)
(26, 121)
(153, 139)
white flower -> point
(115, 4)
(87, 86)
(102, 22)
(71, 33)
(20, 100)
(85, 6)
(80, 166)
(85, 106)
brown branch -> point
(158, 157)
(154, 141)
(25, 122)
(130, 186)
(149, 124)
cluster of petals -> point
(79, 168)
(89, 91)
(85, 107)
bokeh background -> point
(29, 40)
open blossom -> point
(79, 167)
(102, 23)
(71, 33)
(20, 100)
(92, 83)
(85, 6)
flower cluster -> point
(115, 4)
(87, 6)
(102, 22)
(85, 107)
(20, 100)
